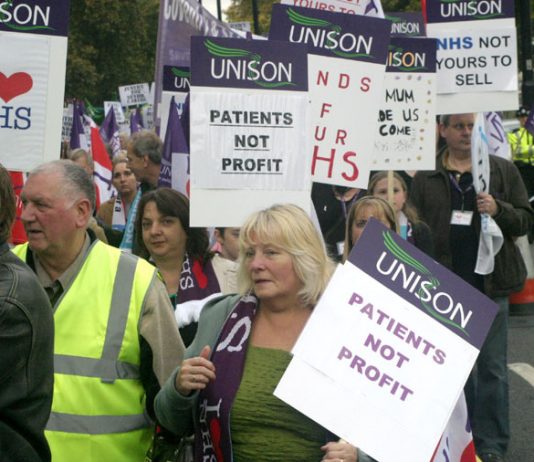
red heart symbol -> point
(15, 85)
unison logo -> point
(416, 279)
(323, 34)
(405, 60)
(239, 64)
(181, 78)
(479, 9)
(24, 17)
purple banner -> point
(422, 282)
(408, 54)
(43, 17)
(468, 10)
(407, 24)
(257, 64)
(176, 78)
(337, 35)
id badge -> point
(461, 218)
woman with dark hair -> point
(181, 254)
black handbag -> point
(167, 447)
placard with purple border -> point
(176, 82)
(33, 54)
(387, 350)
(346, 71)
(477, 55)
(249, 114)
(406, 129)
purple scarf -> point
(197, 280)
(213, 440)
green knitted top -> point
(264, 428)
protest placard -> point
(249, 126)
(176, 82)
(387, 350)
(67, 123)
(346, 72)
(33, 54)
(406, 130)
(477, 55)
(134, 95)
(117, 108)
(360, 7)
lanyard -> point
(456, 185)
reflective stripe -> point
(96, 424)
(90, 367)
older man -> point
(26, 349)
(447, 202)
(144, 158)
(116, 338)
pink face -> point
(458, 132)
(361, 219)
(399, 195)
(50, 218)
(272, 273)
(124, 179)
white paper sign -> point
(24, 82)
(134, 95)
(406, 137)
(247, 139)
(476, 65)
(117, 107)
(342, 142)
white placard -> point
(247, 139)
(406, 136)
(476, 65)
(382, 368)
(117, 107)
(134, 95)
(25, 106)
(342, 143)
(67, 123)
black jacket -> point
(26, 362)
(431, 195)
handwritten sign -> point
(477, 55)
(386, 352)
(406, 130)
(249, 107)
(33, 54)
(346, 71)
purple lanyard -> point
(456, 185)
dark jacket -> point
(431, 195)
(26, 362)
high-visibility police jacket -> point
(522, 144)
(98, 409)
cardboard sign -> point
(406, 130)
(33, 54)
(386, 352)
(249, 108)
(477, 55)
(135, 95)
(346, 71)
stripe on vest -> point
(118, 316)
(96, 424)
(90, 367)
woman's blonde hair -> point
(288, 228)
(380, 206)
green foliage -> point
(241, 10)
(111, 43)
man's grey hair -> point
(444, 119)
(76, 184)
(147, 143)
(79, 153)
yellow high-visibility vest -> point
(98, 410)
(522, 144)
